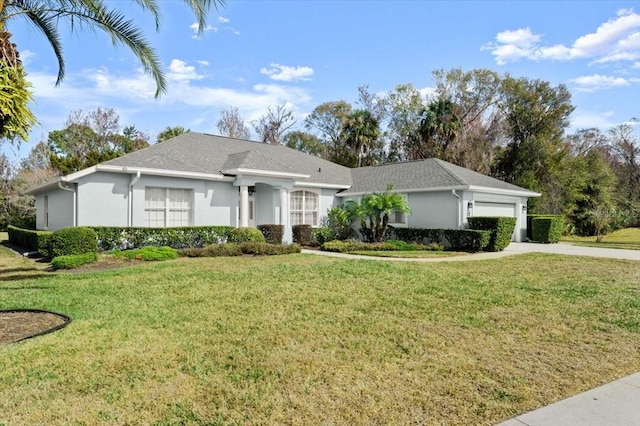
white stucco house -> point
(198, 179)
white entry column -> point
(284, 215)
(244, 206)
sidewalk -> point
(616, 403)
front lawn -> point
(412, 254)
(305, 339)
(627, 238)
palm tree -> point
(46, 15)
(439, 128)
(360, 132)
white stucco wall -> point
(433, 210)
(212, 202)
(103, 199)
(60, 210)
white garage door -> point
(495, 209)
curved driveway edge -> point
(512, 249)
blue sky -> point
(255, 54)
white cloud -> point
(223, 20)
(285, 73)
(590, 83)
(615, 40)
(588, 119)
(203, 63)
(179, 70)
(194, 27)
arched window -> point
(304, 208)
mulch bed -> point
(21, 324)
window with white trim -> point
(304, 208)
(167, 207)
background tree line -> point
(511, 128)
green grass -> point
(304, 339)
(628, 238)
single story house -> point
(197, 179)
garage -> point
(492, 209)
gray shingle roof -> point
(421, 175)
(203, 153)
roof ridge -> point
(444, 165)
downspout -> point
(65, 188)
(134, 180)
(453, 192)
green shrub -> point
(348, 246)
(123, 238)
(302, 234)
(323, 234)
(458, 239)
(471, 240)
(73, 240)
(272, 233)
(266, 249)
(547, 229)
(501, 230)
(150, 254)
(29, 239)
(73, 260)
(244, 235)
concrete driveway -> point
(567, 248)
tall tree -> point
(272, 126)
(625, 148)
(305, 142)
(439, 130)
(92, 138)
(231, 124)
(361, 133)
(47, 16)
(476, 94)
(170, 132)
(403, 108)
(536, 115)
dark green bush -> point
(29, 239)
(272, 233)
(73, 240)
(471, 240)
(149, 253)
(458, 239)
(123, 238)
(73, 260)
(323, 234)
(302, 234)
(348, 246)
(266, 249)
(547, 229)
(501, 230)
(245, 235)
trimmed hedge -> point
(547, 229)
(323, 234)
(123, 238)
(272, 233)
(530, 218)
(29, 239)
(302, 234)
(246, 235)
(348, 246)
(501, 227)
(471, 240)
(73, 260)
(149, 254)
(73, 240)
(232, 249)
